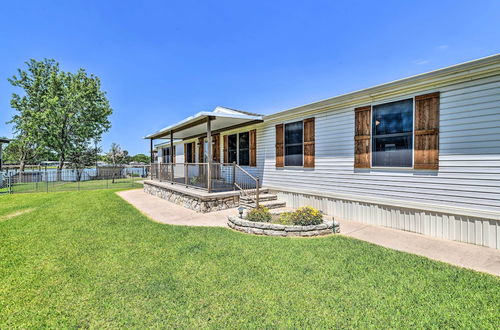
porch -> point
(187, 185)
(203, 178)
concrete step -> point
(273, 204)
(261, 191)
(262, 197)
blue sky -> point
(161, 61)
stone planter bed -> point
(271, 229)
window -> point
(238, 148)
(392, 134)
(232, 148)
(166, 155)
(189, 156)
(294, 138)
(244, 148)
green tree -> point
(141, 158)
(61, 111)
(80, 158)
(36, 83)
(117, 157)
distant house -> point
(420, 154)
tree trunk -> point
(60, 167)
(22, 165)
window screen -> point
(294, 138)
(392, 127)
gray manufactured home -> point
(420, 154)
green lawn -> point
(88, 259)
(69, 185)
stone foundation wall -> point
(270, 229)
(191, 202)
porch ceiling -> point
(197, 125)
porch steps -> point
(266, 199)
(273, 204)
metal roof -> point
(196, 125)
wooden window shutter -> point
(280, 145)
(309, 143)
(362, 128)
(253, 147)
(426, 149)
(226, 153)
(216, 148)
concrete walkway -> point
(465, 255)
(460, 254)
(164, 211)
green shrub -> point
(285, 218)
(306, 215)
(259, 214)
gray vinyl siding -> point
(469, 173)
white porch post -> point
(209, 154)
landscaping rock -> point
(276, 227)
(271, 229)
(191, 202)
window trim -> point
(238, 147)
(284, 144)
(406, 168)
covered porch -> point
(204, 172)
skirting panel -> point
(466, 229)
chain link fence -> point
(44, 179)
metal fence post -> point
(46, 180)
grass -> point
(88, 259)
(70, 185)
